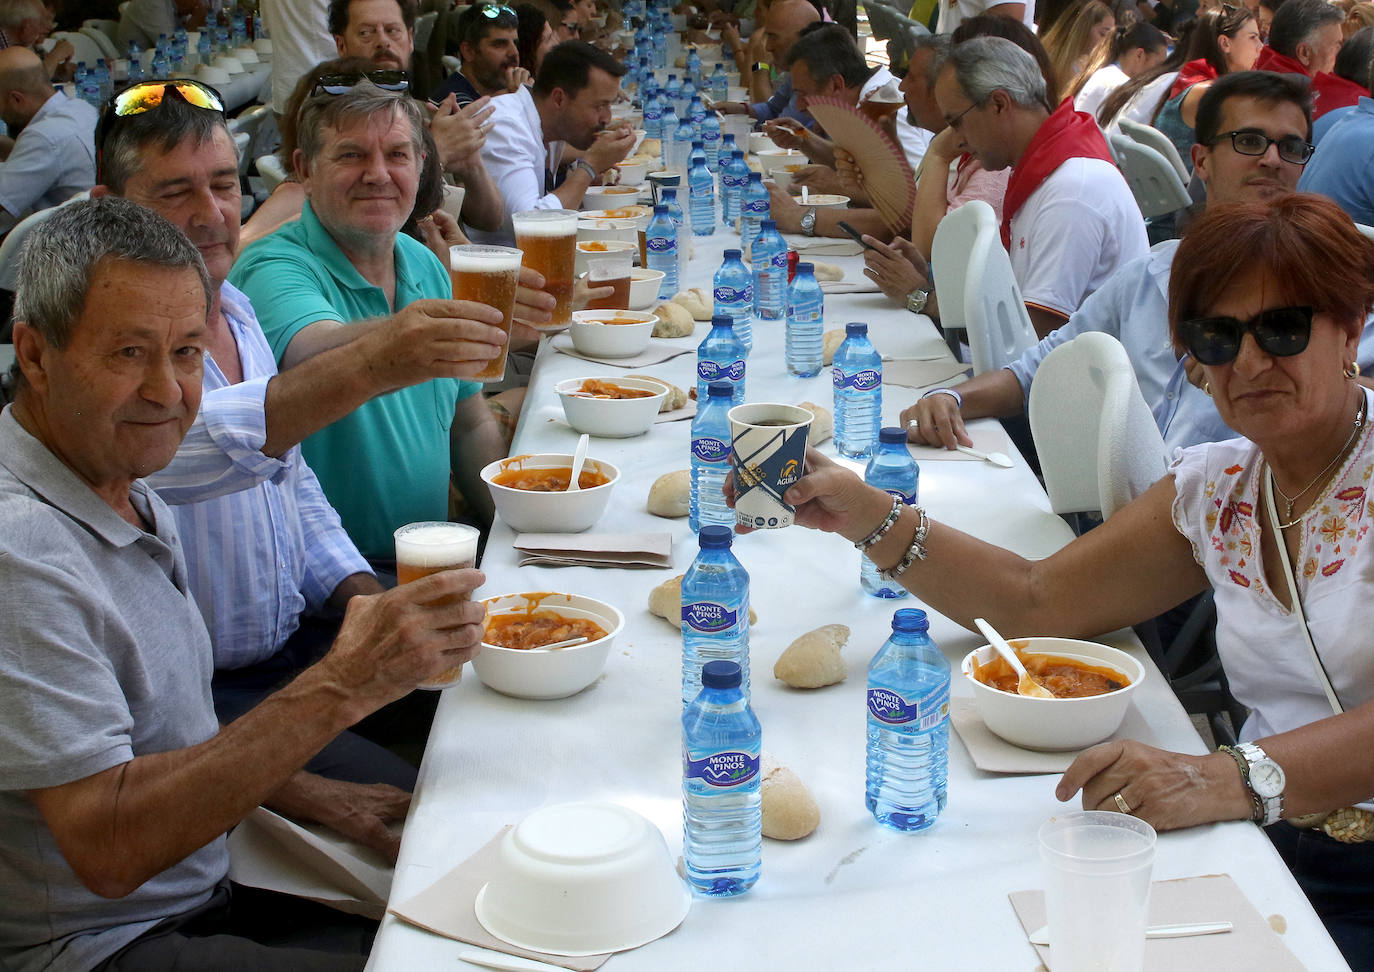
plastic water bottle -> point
(733, 180)
(90, 93)
(667, 128)
(679, 218)
(696, 113)
(753, 211)
(135, 64)
(162, 67)
(908, 726)
(694, 67)
(698, 154)
(673, 90)
(205, 53)
(858, 378)
(722, 806)
(719, 85)
(103, 78)
(892, 470)
(653, 111)
(701, 187)
(715, 611)
(805, 323)
(770, 273)
(723, 157)
(681, 145)
(685, 96)
(660, 248)
(710, 138)
(733, 292)
(711, 459)
(721, 356)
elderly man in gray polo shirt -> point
(116, 784)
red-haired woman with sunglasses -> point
(1271, 298)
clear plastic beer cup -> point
(487, 275)
(426, 548)
(548, 238)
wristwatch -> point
(583, 164)
(1265, 780)
(916, 300)
(808, 221)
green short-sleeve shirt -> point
(386, 464)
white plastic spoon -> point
(562, 644)
(579, 457)
(996, 458)
(1041, 936)
(1025, 685)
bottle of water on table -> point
(770, 273)
(753, 211)
(710, 138)
(653, 109)
(715, 611)
(701, 186)
(719, 84)
(734, 296)
(681, 145)
(711, 458)
(679, 218)
(908, 726)
(667, 127)
(857, 375)
(733, 180)
(805, 323)
(722, 808)
(894, 471)
(721, 357)
(660, 250)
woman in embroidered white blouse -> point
(1271, 298)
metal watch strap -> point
(808, 221)
(583, 164)
(1270, 807)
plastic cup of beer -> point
(612, 270)
(487, 275)
(426, 548)
(548, 238)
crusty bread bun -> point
(670, 494)
(814, 659)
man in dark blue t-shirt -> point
(487, 43)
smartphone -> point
(858, 237)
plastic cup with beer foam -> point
(612, 270)
(548, 238)
(426, 548)
(768, 453)
(487, 275)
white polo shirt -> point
(1077, 229)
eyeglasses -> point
(1292, 148)
(1280, 331)
(337, 84)
(954, 122)
(572, 26)
(146, 96)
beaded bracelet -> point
(958, 399)
(881, 531)
(915, 552)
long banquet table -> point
(853, 895)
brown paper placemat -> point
(678, 414)
(924, 373)
(1252, 944)
(639, 550)
(993, 754)
(863, 285)
(446, 908)
(987, 437)
(657, 352)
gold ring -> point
(1121, 803)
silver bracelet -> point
(958, 399)
(915, 552)
(882, 528)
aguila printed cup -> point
(768, 453)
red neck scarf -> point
(1272, 60)
(1190, 74)
(1066, 134)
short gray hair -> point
(61, 255)
(363, 100)
(983, 65)
(939, 45)
(15, 12)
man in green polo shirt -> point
(344, 267)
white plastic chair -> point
(272, 171)
(424, 25)
(84, 47)
(1098, 443)
(14, 240)
(1154, 181)
(110, 28)
(1157, 140)
(1366, 230)
(970, 264)
(108, 50)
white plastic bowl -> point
(611, 418)
(590, 228)
(632, 173)
(1055, 725)
(591, 336)
(582, 878)
(784, 174)
(569, 511)
(644, 287)
(582, 255)
(600, 198)
(760, 143)
(535, 674)
(207, 74)
(774, 159)
(826, 200)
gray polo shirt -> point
(103, 657)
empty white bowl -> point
(246, 55)
(586, 249)
(612, 333)
(607, 417)
(206, 74)
(644, 287)
(229, 64)
(582, 878)
(565, 511)
(556, 674)
(1055, 724)
(759, 143)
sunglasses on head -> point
(494, 10)
(1280, 331)
(337, 84)
(146, 96)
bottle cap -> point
(722, 320)
(732, 254)
(768, 224)
(721, 674)
(806, 268)
(660, 209)
(910, 620)
(892, 434)
(720, 389)
(755, 177)
(856, 327)
(698, 144)
(717, 537)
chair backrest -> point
(241, 142)
(423, 25)
(1366, 230)
(1154, 181)
(1098, 443)
(949, 252)
(110, 28)
(106, 43)
(84, 47)
(1157, 140)
(14, 240)
(272, 171)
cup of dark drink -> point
(768, 453)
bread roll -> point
(814, 659)
(789, 810)
(830, 343)
(676, 397)
(665, 601)
(822, 423)
(826, 271)
(674, 320)
(698, 302)
(670, 493)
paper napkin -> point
(655, 353)
(924, 373)
(986, 436)
(644, 550)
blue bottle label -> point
(780, 260)
(756, 207)
(908, 498)
(722, 770)
(893, 709)
(661, 244)
(865, 380)
(708, 370)
(708, 617)
(708, 449)
(732, 295)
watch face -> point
(1266, 778)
